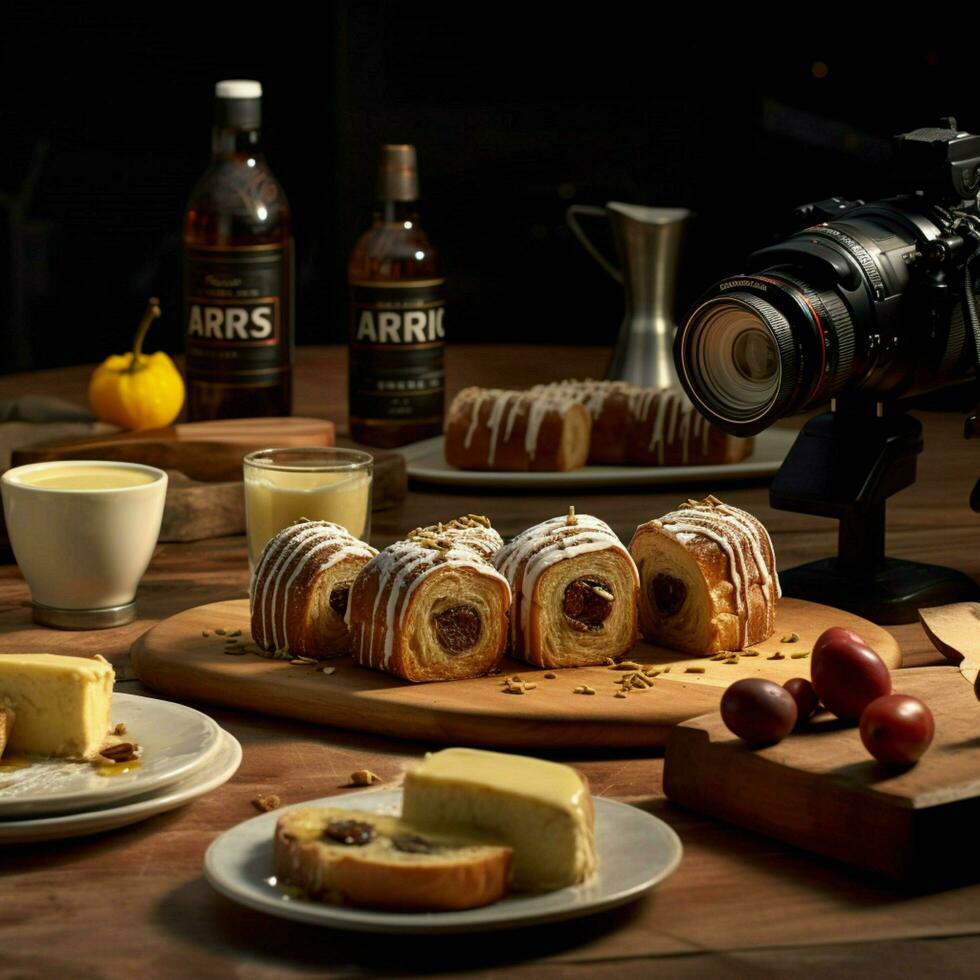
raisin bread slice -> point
(367, 859)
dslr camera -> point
(866, 301)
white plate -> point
(636, 851)
(219, 769)
(425, 461)
(175, 740)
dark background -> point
(517, 112)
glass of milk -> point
(321, 484)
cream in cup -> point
(283, 486)
(83, 533)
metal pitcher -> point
(648, 242)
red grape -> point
(805, 697)
(897, 728)
(758, 711)
(847, 674)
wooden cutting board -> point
(820, 790)
(176, 659)
(208, 451)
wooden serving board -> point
(176, 659)
(820, 790)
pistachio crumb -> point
(266, 802)
(750, 653)
(694, 670)
(328, 670)
(666, 670)
(550, 675)
(798, 656)
(364, 777)
(720, 656)
(235, 633)
(620, 694)
(776, 656)
(790, 638)
(120, 729)
(730, 660)
(220, 631)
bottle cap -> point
(398, 173)
(238, 103)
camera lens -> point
(737, 356)
(739, 359)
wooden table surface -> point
(133, 902)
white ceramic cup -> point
(83, 552)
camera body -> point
(874, 301)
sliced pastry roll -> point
(298, 594)
(432, 607)
(493, 429)
(708, 578)
(575, 589)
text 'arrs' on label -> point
(400, 326)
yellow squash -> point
(137, 390)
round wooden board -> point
(176, 659)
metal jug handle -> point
(595, 212)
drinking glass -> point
(322, 484)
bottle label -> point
(237, 312)
(397, 339)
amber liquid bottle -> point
(396, 380)
(238, 272)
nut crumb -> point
(550, 675)
(364, 777)
(750, 653)
(731, 660)
(267, 802)
(221, 631)
(303, 660)
(790, 638)
(620, 694)
(626, 665)
(120, 729)
(122, 752)
(666, 670)
(720, 656)
(328, 670)
(694, 670)
(205, 632)
(776, 656)
(584, 689)
(798, 656)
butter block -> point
(62, 704)
(541, 809)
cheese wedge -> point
(62, 704)
(541, 809)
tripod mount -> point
(845, 464)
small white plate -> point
(175, 740)
(218, 770)
(636, 851)
(426, 462)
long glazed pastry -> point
(637, 426)
(432, 607)
(575, 590)
(298, 594)
(708, 578)
(491, 429)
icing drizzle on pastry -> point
(284, 559)
(467, 542)
(739, 535)
(524, 558)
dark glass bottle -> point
(396, 388)
(238, 271)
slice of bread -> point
(367, 859)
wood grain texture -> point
(740, 904)
(176, 659)
(821, 790)
(209, 451)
